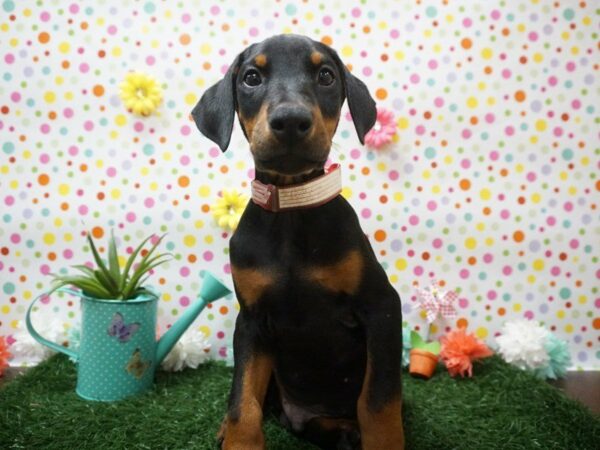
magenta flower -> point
(383, 131)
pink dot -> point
(15, 238)
(495, 14)
(464, 274)
(149, 202)
(394, 175)
(220, 335)
(73, 150)
(253, 31)
(74, 8)
(552, 80)
(431, 205)
(45, 299)
(505, 214)
(413, 220)
(68, 113)
(507, 270)
(186, 18)
(15, 97)
(439, 102)
(489, 118)
(488, 258)
(184, 301)
(394, 34)
(491, 295)
(354, 153)
(88, 125)
(9, 58)
(558, 131)
(463, 303)
(44, 158)
(415, 78)
(571, 66)
(45, 269)
(83, 67)
(576, 104)
(420, 130)
(83, 210)
(45, 16)
(365, 213)
(529, 315)
(130, 217)
(506, 73)
(509, 131)
(437, 243)
(327, 20)
(494, 155)
(185, 130)
(533, 36)
(214, 152)
(45, 128)
(68, 254)
(551, 221)
(467, 22)
(418, 271)
(465, 163)
(432, 64)
(466, 133)
(184, 160)
(138, 126)
(184, 271)
(574, 243)
(356, 12)
(150, 60)
(367, 71)
(531, 177)
(214, 10)
(111, 171)
(207, 255)
(112, 29)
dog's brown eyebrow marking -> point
(260, 60)
(251, 283)
(344, 276)
(316, 57)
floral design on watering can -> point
(119, 353)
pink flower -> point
(383, 131)
(460, 349)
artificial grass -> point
(499, 408)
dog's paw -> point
(349, 440)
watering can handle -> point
(44, 341)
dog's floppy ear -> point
(361, 104)
(215, 111)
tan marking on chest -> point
(260, 60)
(343, 276)
(251, 284)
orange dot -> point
(192, 258)
(380, 235)
(465, 184)
(462, 323)
(501, 311)
(518, 236)
(183, 181)
(185, 39)
(43, 37)
(97, 232)
(520, 96)
(466, 43)
(98, 90)
(598, 185)
(381, 93)
(327, 40)
(43, 179)
(223, 310)
(596, 323)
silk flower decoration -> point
(437, 302)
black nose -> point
(289, 122)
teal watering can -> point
(119, 353)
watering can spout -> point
(212, 289)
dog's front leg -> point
(379, 406)
(242, 428)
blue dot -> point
(149, 7)
(430, 152)
(9, 288)
(567, 154)
(569, 14)
(290, 9)
(8, 5)
(8, 148)
(431, 12)
(565, 293)
(148, 149)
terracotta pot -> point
(422, 363)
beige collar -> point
(309, 194)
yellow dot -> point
(49, 238)
(59, 80)
(49, 97)
(204, 191)
(569, 328)
(480, 226)
(208, 239)
(448, 159)
(198, 224)
(189, 240)
(205, 48)
(14, 184)
(487, 53)
(5, 309)
(398, 196)
(472, 102)
(470, 243)
(538, 57)
(540, 125)
(191, 98)
(399, 55)
(64, 189)
(27, 295)
(489, 241)
(153, 186)
(582, 299)
(485, 194)
(144, 171)
(116, 51)
(309, 16)
(167, 156)
(519, 168)
(205, 330)
(538, 264)
(120, 119)
(481, 332)
(393, 278)
(536, 198)
(64, 47)
(517, 307)
(346, 192)
(531, 279)
(560, 314)
(58, 222)
(68, 237)
(521, 27)
(166, 297)
(347, 50)
(401, 264)
(381, 166)
(403, 123)
(115, 193)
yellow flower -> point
(140, 93)
(229, 208)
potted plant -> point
(118, 351)
(424, 356)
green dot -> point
(565, 293)
(431, 12)
(568, 14)
(8, 288)
(290, 9)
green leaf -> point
(417, 342)
(113, 260)
(85, 269)
(133, 284)
(105, 283)
(87, 285)
(99, 261)
(129, 263)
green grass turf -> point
(499, 408)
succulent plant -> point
(107, 281)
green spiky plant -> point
(108, 282)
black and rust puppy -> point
(318, 317)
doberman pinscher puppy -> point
(319, 322)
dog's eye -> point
(326, 77)
(252, 78)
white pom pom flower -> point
(522, 344)
(29, 352)
(190, 351)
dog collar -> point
(312, 193)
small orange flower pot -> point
(422, 363)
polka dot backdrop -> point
(491, 184)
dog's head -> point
(288, 92)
